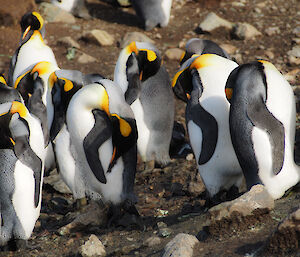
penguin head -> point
(193, 46)
(32, 21)
(147, 57)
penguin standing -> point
(32, 49)
(200, 82)
(202, 46)
(153, 12)
(262, 126)
(147, 88)
(102, 142)
(21, 174)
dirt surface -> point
(163, 189)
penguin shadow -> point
(112, 14)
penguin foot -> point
(14, 245)
(81, 203)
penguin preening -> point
(200, 82)
(153, 12)
(202, 46)
(147, 88)
(262, 126)
(31, 50)
(21, 172)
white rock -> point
(124, 3)
(174, 53)
(53, 13)
(134, 36)
(93, 248)
(291, 76)
(181, 245)
(68, 42)
(213, 21)
(56, 182)
(85, 58)
(100, 37)
(245, 31)
(272, 31)
(294, 55)
(230, 49)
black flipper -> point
(262, 118)
(26, 155)
(96, 137)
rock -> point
(244, 31)
(189, 157)
(270, 31)
(257, 198)
(270, 55)
(163, 230)
(124, 3)
(238, 58)
(134, 36)
(180, 245)
(92, 248)
(174, 54)
(85, 58)
(152, 241)
(10, 15)
(53, 13)
(68, 42)
(230, 49)
(286, 237)
(57, 183)
(213, 21)
(94, 214)
(296, 40)
(296, 31)
(196, 186)
(99, 37)
(291, 76)
(294, 55)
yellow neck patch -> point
(125, 128)
(151, 56)
(132, 48)
(40, 18)
(203, 60)
(104, 105)
(2, 80)
(18, 107)
(52, 79)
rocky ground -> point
(171, 198)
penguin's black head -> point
(32, 21)
(124, 136)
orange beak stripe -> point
(228, 92)
(113, 154)
(26, 32)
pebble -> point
(212, 21)
(174, 53)
(85, 58)
(196, 186)
(296, 31)
(92, 248)
(244, 31)
(152, 241)
(181, 245)
(291, 76)
(230, 49)
(294, 55)
(272, 31)
(134, 36)
(56, 182)
(68, 42)
(99, 37)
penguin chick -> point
(200, 82)
(202, 46)
(153, 13)
(76, 7)
(147, 89)
(102, 141)
(31, 51)
(262, 126)
(21, 172)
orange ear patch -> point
(228, 92)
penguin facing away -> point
(147, 88)
(31, 51)
(262, 126)
(153, 12)
(202, 46)
(200, 82)
(21, 174)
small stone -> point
(272, 31)
(230, 49)
(53, 13)
(291, 76)
(270, 55)
(92, 248)
(213, 21)
(174, 53)
(181, 245)
(56, 182)
(165, 232)
(100, 37)
(189, 157)
(152, 241)
(85, 58)
(296, 40)
(134, 36)
(196, 187)
(296, 31)
(294, 55)
(124, 3)
(68, 42)
(244, 31)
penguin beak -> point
(113, 155)
(26, 32)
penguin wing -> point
(101, 132)
(26, 155)
(209, 128)
(262, 118)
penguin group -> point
(240, 121)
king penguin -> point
(32, 48)
(153, 12)
(147, 88)
(200, 82)
(202, 46)
(102, 142)
(262, 126)
(21, 172)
